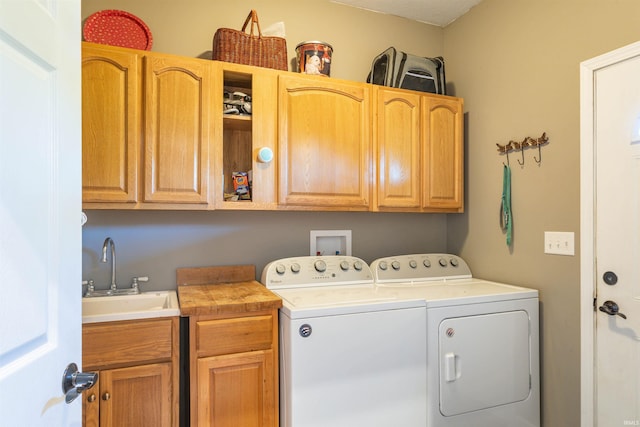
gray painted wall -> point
(155, 243)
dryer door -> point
(484, 361)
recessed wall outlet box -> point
(559, 243)
(330, 242)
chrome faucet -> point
(108, 241)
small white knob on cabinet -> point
(265, 155)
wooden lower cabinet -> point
(135, 396)
(138, 373)
(234, 390)
(234, 370)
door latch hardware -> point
(610, 278)
(74, 382)
(611, 308)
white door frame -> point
(588, 71)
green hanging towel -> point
(506, 220)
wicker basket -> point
(241, 48)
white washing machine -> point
(349, 356)
(482, 341)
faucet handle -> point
(134, 283)
(90, 286)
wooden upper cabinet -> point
(177, 129)
(443, 179)
(418, 143)
(244, 136)
(110, 124)
(324, 143)
(154, 136)
(397, 149)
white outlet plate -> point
(559, 243)
(330, 242)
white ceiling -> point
(435, 12)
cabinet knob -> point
(106, 396)
(265, 155)
(91, 398)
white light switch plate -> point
(559, 243)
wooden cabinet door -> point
(324, 143)
(138, 396)
(91, 405)
(177, 129)
(237, 390)
(110, 124)
(240, 138)
(397, 149)
(443, 153)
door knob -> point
(611, 308)
(74, 382)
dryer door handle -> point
(451, 367)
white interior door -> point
(40, 205)
(614, 234)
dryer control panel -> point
(419, 268)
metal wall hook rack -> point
(521, 145)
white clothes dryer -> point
(349, 356)
(482, 341)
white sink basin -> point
(128, 307)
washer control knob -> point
(357, 265)
(453, 262)
(344, 266)
(383, 265)
(395, 265)
(427, 263)
(295, 267)
(413, 264)
(320, 266)
(443, 262)
(280, 269)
